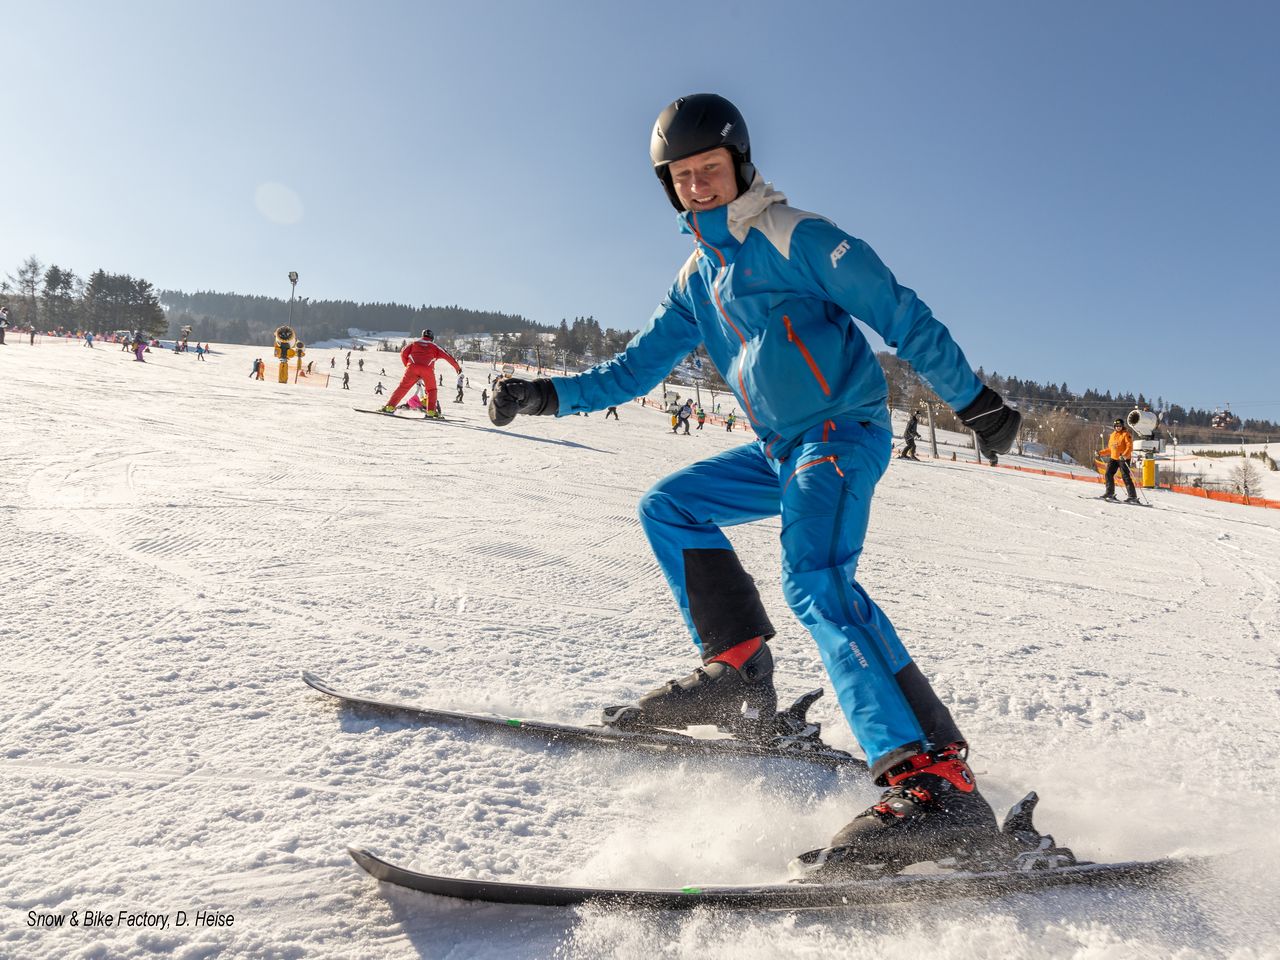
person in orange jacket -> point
(419, 361)
(1119, 448)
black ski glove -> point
(512, 396)
(995, 423)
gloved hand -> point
(995, 423)
(513, 395)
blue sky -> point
(1084, 192)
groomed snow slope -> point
(179, 541)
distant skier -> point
(702, 418)
(815, 395)
(4, 324)
(682, 417)
(419, 360)
(199, 352)
(909, 435)
(346, 379)
(253, 374)
(377, 391)
(333, 362)
(484, 397)
(88, 339)
(461, 381)
(360, 364)
(611, 411)
(1119, 448)
(729, 421)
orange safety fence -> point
(313, 379)
(1190, 491)
(1226, 497)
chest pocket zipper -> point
(793, 337)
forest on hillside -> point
(240, 318)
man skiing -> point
(419, 358)
(1119, 449)
(682, 417)
(909, 435)
(771, 293)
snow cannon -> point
(1143, 423)
(285, 340)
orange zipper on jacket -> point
(746, 403)
(793, 337)
(830, 458)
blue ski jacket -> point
(772, 292)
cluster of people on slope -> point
(683, 413)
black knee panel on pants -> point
(723, 601)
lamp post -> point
(293, 289)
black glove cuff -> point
(995, 423)
(543, 400)
(984, 405)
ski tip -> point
(315, 683)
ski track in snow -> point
(180, 541)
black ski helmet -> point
(693, 125)
(428, 335)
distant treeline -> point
(239, 318)
(1064, 421)
(56, 298)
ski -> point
(396, 416)
(1127, 503)
(896, 888)
(800, 742)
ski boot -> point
(433, 414)
(733, 691)
(931, 811)
(388, 409)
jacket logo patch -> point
(839, 252)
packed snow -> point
(180, 541)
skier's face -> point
(705, 180)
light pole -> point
(293, 289)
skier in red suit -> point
(419, 361)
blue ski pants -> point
(822, 490)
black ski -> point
(397, 416)
(802, 742)
(784, 896)
(1128, 503)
